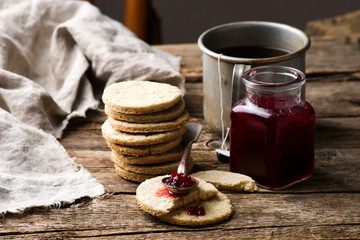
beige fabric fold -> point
(56, 57)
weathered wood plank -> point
(320, 58)
(119, 214)
(337, 36)
(334, 77)
(344, 133)
(335, 44)
(336, 170)
(330, 133)
(292, 232)
(325, 206)
(343, 25)
(337, 150)
(333, 99)
(333, 54)
(194, 99)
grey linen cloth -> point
(56, 57)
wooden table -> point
(325, 206)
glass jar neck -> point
(274, 100)
(273, 87)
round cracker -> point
(171, 155)
(129, 139)
(154, 198)
(150, 127)
(145, 150)
(224, 180)
(216, 210)
(140, 97)
(159, 168)
(162, 116)
(135, 177)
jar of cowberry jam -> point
(273, 128)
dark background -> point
(182, 21)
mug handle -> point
(237, 86)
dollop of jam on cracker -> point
(164, 192)
(196, 211)
(180, 180)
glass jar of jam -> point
(272, 128)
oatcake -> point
(217, 209)
(149, 127)
(224, 180)
(145, 150)
(153, 198)
(162, 116)
(141, 97)
(135, 177)
(171, 155)
(128, 139)
(159, 168)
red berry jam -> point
(273, 147)
(180, 180)
(164, 192)
(272, 130)
(196, 211)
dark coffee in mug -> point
(253, 51)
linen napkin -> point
(56, 57)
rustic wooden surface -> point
(325, 206)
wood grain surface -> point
(326, 206)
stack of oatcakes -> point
(145, 125)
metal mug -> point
(230, 69)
